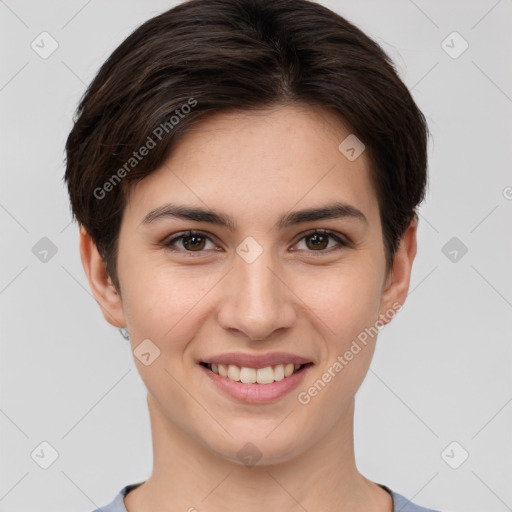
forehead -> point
(259, 163)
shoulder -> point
(402, 504)
(117, 504)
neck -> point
(187, 475)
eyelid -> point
(342, 240)
(185, 234)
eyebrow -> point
(337, 210)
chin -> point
(257, 450)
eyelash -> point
(189, 234)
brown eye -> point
(317, 241)
(193, 242)
(189, 241)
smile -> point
(255, 378)
(246, 375)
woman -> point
(245, 175)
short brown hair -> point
(219, 55)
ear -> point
(100, 282)
(397, 282)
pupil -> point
(322, 241)
(195, 240)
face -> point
(263, 290)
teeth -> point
(233, 372)
(265, 375)
(246, 375)
(279, 372)
(223, 370)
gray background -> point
(442, 368)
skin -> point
(293, 298)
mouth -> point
(255, 378)
(262, 376)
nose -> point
(256, 301)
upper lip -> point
(256, 360)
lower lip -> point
(256, 393)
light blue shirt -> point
(400, 503)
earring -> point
(124, 333)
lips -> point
(256, 360)
(256, 378)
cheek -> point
(348, 306)
(346, 300)
(166, 307)
(160, 299)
